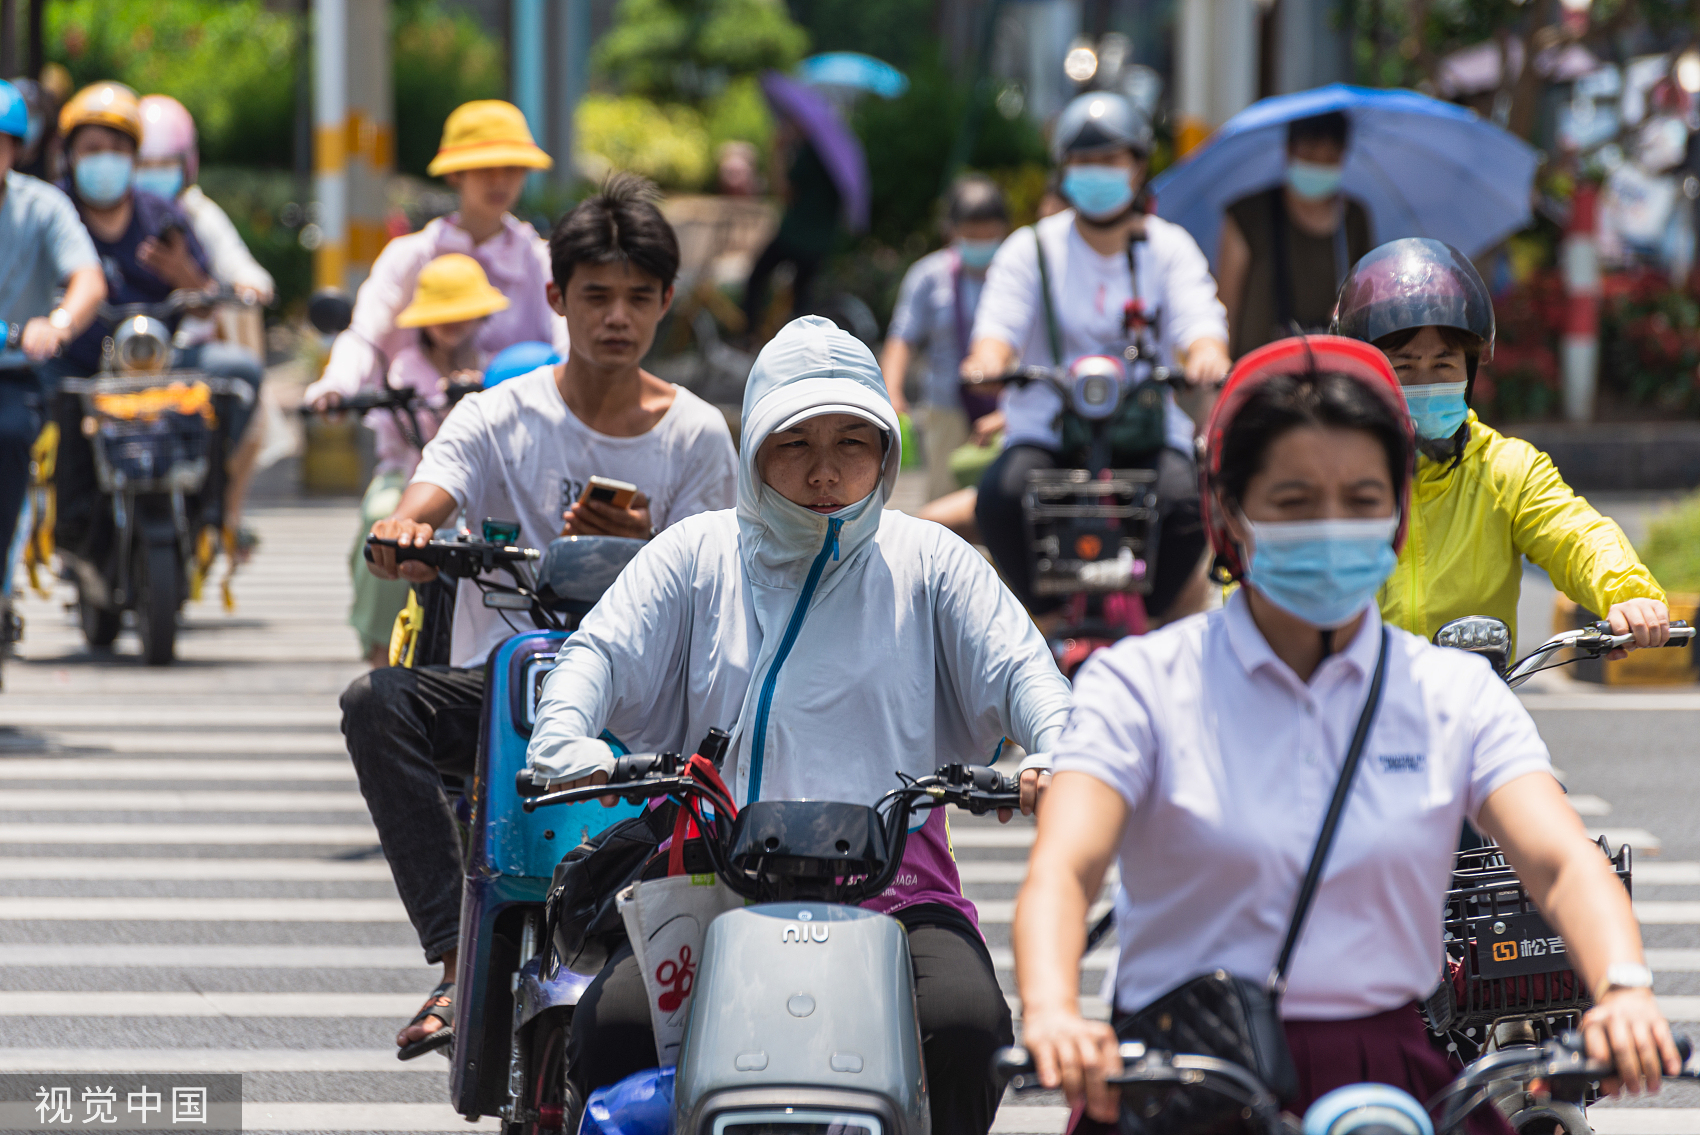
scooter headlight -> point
(1095, 388)
(141, 345)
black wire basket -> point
(1503, 962)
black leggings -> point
(964, 1019)
(1180, 531)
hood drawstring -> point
(832, 527)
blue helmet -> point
(521, 358)
(14, 112)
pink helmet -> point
(168, 131)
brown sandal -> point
(441, 1005)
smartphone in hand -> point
(608, 491)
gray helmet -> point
(1100, 121)
(1415, 282)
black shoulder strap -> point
(1331, 823)
(1052, 330)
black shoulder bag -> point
(1219, 1014)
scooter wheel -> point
(1552, 1118)
(158, 595)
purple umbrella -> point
(839, 148)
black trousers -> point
(406, 729)
(804, 264)
(1180, 530)
(964, 1019)
(20, 422)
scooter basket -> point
(169, 451)
(1503, 962)
(1091, 535)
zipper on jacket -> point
(758, 749)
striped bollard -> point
(1581, 349)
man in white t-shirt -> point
(1109, 268)
(522, 451)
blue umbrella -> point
(855, 71)
(1421, 167)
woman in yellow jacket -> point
(1481, 501)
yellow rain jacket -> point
(1471, 526)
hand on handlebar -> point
(407, 533)
(41, 340)
(1033, 784)
(595, 778)
(1647, 619)
(1626, 1027)
(1076, 1055)
(1207, 363)
(326, 402)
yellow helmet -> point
(485, 134)
(104, 104)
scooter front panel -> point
(813, 998)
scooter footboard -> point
(808, 1006)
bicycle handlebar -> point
(1590, 642)
(458, 559)
(183, 299)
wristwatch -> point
(1624, 975)
(59, 319)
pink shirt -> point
(412, 369)
(517, 262)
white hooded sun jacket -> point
(836, 649)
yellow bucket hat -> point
(451, 289)
(486, 134)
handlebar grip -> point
(1013, 1061)
(525, 786)
(641, 766)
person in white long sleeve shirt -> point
(1080, 283)
(840, 644)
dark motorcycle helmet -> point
(1412, 283)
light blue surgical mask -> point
(1312, 181)
(1323, 571)
(102, 179)
(976, 255)
(1099, 192)
(1438, 408)
(165, 181)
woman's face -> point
(448, 336)
(823, 463)
(1317, 473)
(1427, 359)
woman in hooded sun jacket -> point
(840, 644)
(1481, 501)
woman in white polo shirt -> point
(1204, 756)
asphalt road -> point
(189, 882)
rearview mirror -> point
(330, 311)
(1479, 634)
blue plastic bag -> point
(641, 1104)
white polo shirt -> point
(1090, 292)
(1227, 762)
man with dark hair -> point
(523, 451)
(935, 309)
(1285, 251)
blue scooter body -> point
(511, 858)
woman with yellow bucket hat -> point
(486, 152)
(451, 303)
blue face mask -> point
(1311, 181)
(1323, 571)
(165, 181)
(976, 254)
(1099, 192)
(1438, 408)
(102, 179)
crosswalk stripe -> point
(168, 768)
(140, 800)
(1662, 913)
(209, 1060)
(1608, 1120)
(1642, 840)
(56, 909)
(1003, 910)
(1012, 835)
(1673, 960)
(232, 834)
(189, 716)
(1004, 958)
(90, 1003)
(1674, 873)
(317, 743)
(255, 870)
(74, 956)
(1587, 805)
(1036, 1119)
(418, 1117)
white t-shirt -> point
(1090, 293)
(1227, 762)
(516, 452)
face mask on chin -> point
(102, 179)
(976, 255)
(1312, 181)
(1325, 572)
(1098, 192)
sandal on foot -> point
(441, 1005)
